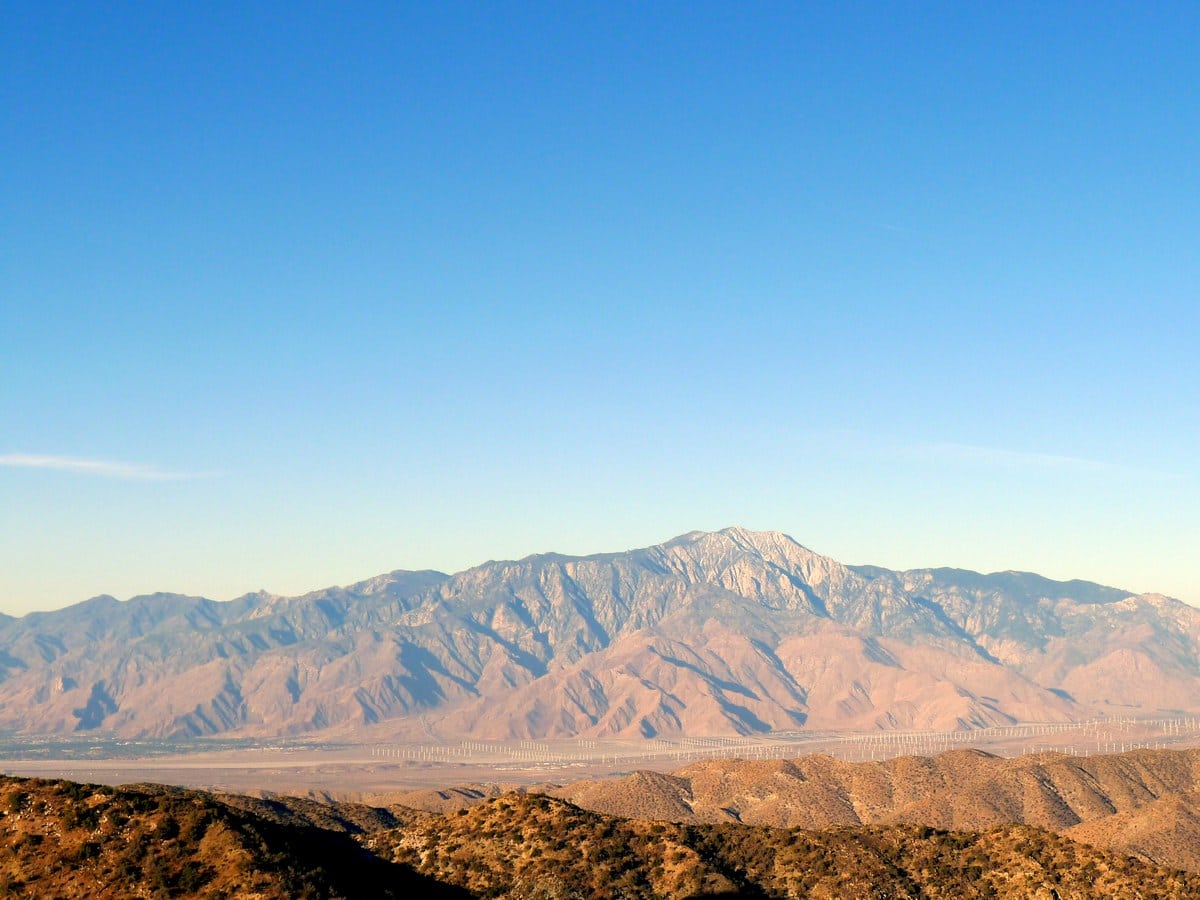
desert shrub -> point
(142, 803)
(77, 816)
(16, 800)
(73, 789)
(196, 825)
(128, 870)
(168, 828)
(87, 850)
(191, 878)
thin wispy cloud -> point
(1001, 457)
(98, 468)
(949, 452)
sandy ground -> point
(375, 772)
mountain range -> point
(712, 633)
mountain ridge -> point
(726, 632)
(865, 569)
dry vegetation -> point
(532, 846)
(61, 839)
(1144, 803)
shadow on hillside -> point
(334, 864)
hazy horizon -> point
(513, 558)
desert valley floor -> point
(379, 772)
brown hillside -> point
(59, 839)
(1122, 798)
(1165, 831)
(67, 840)
(521, 846)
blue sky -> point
(294, 294)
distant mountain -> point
(711, 633)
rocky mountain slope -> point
(69, 840)
(1144, 803)
(711, 633)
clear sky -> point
(293, 294)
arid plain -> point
(386, 772)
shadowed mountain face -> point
(711, 633)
